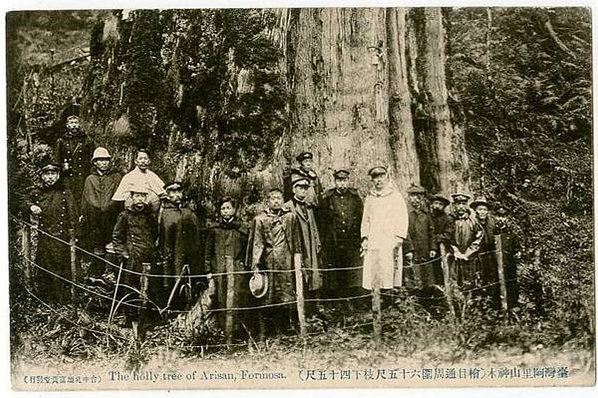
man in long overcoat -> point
(275, 242)
(383, 230)
(419, 249)
(72, 152)
(511, 251)
(53, 207)
(487, 255)
(341, 214)
(444, 224)
(227, 241)
(310, 237)
(179, 245)
(98, 210)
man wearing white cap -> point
(383, 230)
(98, 210)
(141, 175)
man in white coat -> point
(142, 176)
(383, 230)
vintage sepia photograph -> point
(242, 198)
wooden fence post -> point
(230, 298)
(376, 301)
(300, 297)
(26, 248)
(448, 286)
(73, 266)
(501, 273)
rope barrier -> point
(218, 274)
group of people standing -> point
(343, 244)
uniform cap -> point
(297, 179)
(441, 198)
(460, 197)
(138, 188)
(376, 171)
(341, 174)
(416, 189)
(173, 186)
(258, 285)
(304, 155)
(72, 117)
(50, 167)
(479, 201)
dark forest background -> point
(519, 85)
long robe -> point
(179, 245)
(420, 241)
(385, 218)
(58, 218)
(228, 238)
(310, 239)
(468, 238)
(98, 209)
(275, 239)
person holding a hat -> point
(311, 245)
(469, 235)
(341, 214)
(72, 152)
(226, 240)
(419, 247)
(511, 252)
(53, 207)
(134, 240)
(98, 210)
(383, 230)
(274, 244)
(141, 175)
(305, 170)
(179, 246)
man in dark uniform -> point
(444, 225)
(179, 245)
(98, 210)
(511, 251)
(486, 254)
(341, 213)
(53, 207)
(73, 152)
(305, 170)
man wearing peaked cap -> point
(444, 224)
(178, 237)
(511, 252)
(440, 198)
(419, 246)
(341, 214)
(460, 197)
(488, 271)
(305, 169)
(383, 230)
(53, 206)
(98, 211)
(303, 209)
(73, 151)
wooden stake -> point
(230, 298)
(26, 248)
(73, 268)
(300, 297)
(501, 273)
(448, 290)
(376, 301)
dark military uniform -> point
(74, 151)
(341, 222)
(420, 241)
(314, 194)
(511, 246)
(58, 218)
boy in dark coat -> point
(134, 240)
(98, 210)
(53, 207)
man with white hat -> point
(98, 210)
